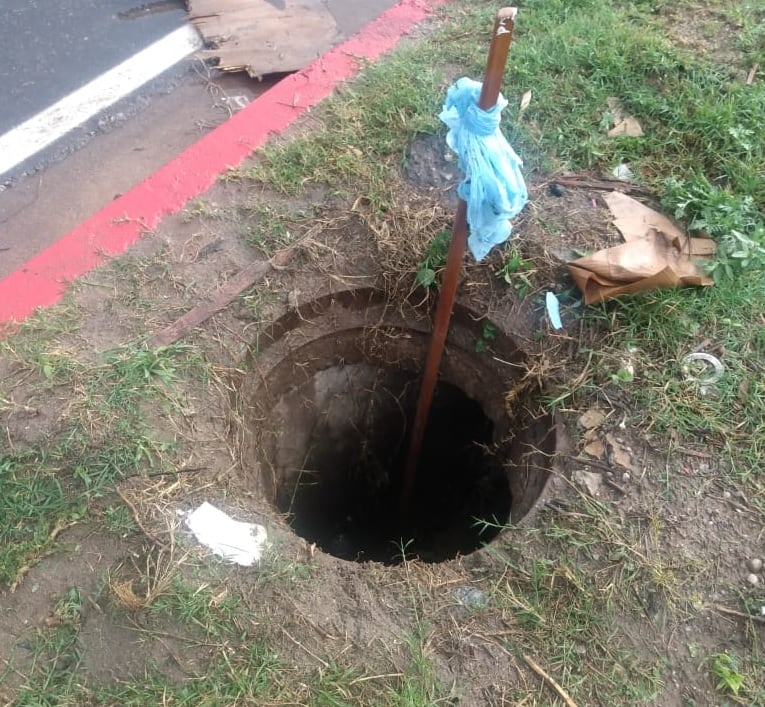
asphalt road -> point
(50, 48)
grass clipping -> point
(402, 234)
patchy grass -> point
(269, 229)
(103, 437)
(243, 668)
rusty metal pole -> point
(495, 68)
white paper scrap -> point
(238, 542)
(553, 310)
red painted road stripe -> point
(42, 280)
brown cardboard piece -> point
(263, 37)
(656, 254)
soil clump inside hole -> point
(345, 491)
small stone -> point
(626, 477)
(726, 494)
(471, 596)
(753, 579)
(557, 189)
(589, 481)
(755, 564)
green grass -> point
(704, 153)
(572, 56)
(726, 671)
(696, 120)
(55, 655)
(117, 520)
(434, 260)
(364, 129)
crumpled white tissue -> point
(234, 541)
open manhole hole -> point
(327, 421)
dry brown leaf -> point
(627, 127)
(525, 100)
(591, 434)
(591, 418)
(595, 449)
(624, 123)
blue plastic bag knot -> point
(481, 122)
(493, 186)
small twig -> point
(183, 470)
(300, 645)
(138, 522)
(247, 277)
(153, 633)
(550, 681)
(614, 485)
(642, 603)
(740, 508)
(694, 453)
(739, 614)
(752, 73)
(94, 604)
(590, 462)
(602, 467)
(177, 660)
(601, 185)
(375, 677)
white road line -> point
(46, 127)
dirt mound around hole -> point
(327, 422)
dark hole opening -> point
(346, 496)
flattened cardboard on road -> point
(264, 37)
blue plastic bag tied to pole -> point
(493, 188)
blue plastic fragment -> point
(493, 187)
(553, 310)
